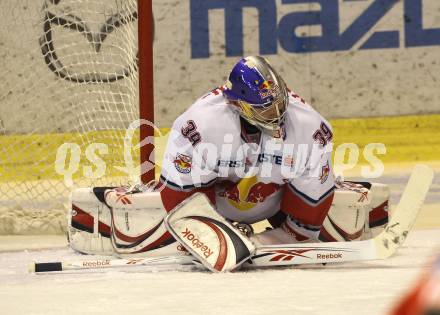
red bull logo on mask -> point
(248, 192)
(268, 89)
(182, 163)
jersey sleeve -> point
(308, 197)
(189, 163)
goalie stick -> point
(382, 246)
(110, 263)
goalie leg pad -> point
(378, 213)
(137, 221)
(346, 218)
(207, 235)
(89, 222)
(112, 221)
(359, 211)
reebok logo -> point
(196, 243)
(329, 256)
(96, 263)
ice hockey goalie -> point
(257, 151)
(129, 221)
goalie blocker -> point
(130, 222)
(207, 235)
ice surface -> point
(349, 288)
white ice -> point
(350, 288)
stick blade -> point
(406, 212)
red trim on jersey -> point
(302, 211)
(171, 198)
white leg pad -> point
(358, 212)
(346, 218)
(89, 224)
(119, 222)
(138, 225)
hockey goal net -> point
(68, 92)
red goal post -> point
(146, 80)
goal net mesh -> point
(69, 90)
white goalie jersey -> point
(249, 175)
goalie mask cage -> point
(69, 90)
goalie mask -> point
(259, 92)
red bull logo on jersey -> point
(248, 193)
(182, 163)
